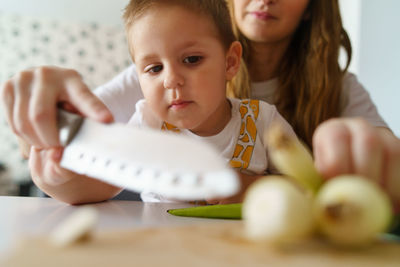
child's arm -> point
(246, 180)
(65, 185)
(42, 89)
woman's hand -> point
(352, 146)
(63, 184)
(31, 98)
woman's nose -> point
(173, 79)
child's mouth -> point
(179, 104)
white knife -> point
(139, 160)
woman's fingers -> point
(367, 149)
(21, 115)
(31, 99)
(391, 164)
(392, 179)
(352, 146)
(73, 93)
(15, 97)
(7, 97)
(332, 149)
(82, 98)
(47, 85)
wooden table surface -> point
(144, 234)
(33, 216)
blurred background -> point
(374, 28)
(88, 36)
(84, 35)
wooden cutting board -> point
(219, 244)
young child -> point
(185, 54)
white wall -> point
(374, 28)
(107, 12)
(351, 16)
(380, 56)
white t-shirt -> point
(121, 94)
(237, 137)
(226, 140)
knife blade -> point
(173, 166)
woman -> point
(292, 49)
(297, 43)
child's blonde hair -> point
(216, 10)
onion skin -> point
(351, 210)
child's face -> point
(183, 68)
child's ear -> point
(233, 58)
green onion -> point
(226, 211)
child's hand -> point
(63, 184)
(352, 146)
(45, 167)
(31, 97)
(246, 180)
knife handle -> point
(68, 125)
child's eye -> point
(155, 69)
(192, 59)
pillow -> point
(97, 52)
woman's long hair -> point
(310, 77)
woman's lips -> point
(180, 104)
(262, 15)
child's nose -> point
(173, 80)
